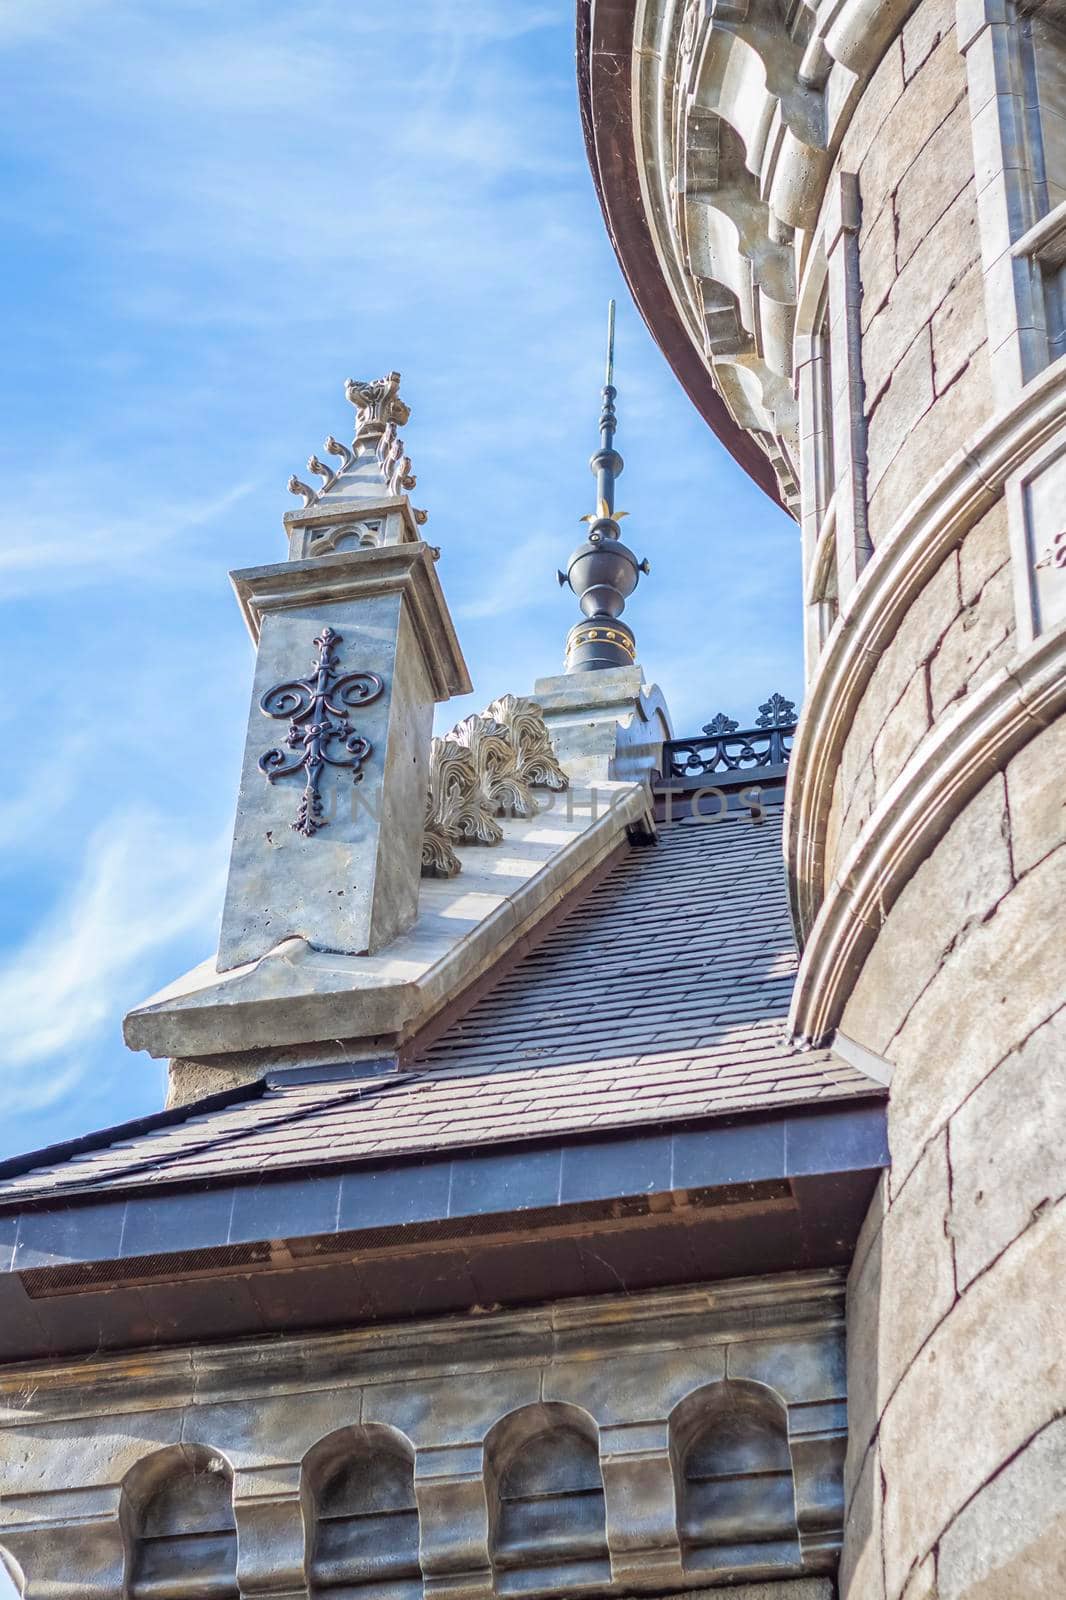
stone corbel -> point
(70, 1544)
(271, 1534)
(454, 1520)
(818, 1440)
(638, 1487)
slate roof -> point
(663, 996)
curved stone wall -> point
(927, 854)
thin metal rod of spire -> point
(609, 379)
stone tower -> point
(846, 227)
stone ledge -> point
(300, 996)
(943, 775)
(901, 567)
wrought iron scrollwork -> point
(725, 747)
(316, 707)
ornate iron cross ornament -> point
(316, 707)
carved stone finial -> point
(376, 463)
(376, 405)
(484, 769)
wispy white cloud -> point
(62, 542)
(143, 885)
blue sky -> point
(213, 215)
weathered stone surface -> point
(921, 1585)
(975, 643)
(966, 875)
(879, 96)
(1006, 1149)
(1009, 1543)
(998, 970)
(945, 427)
(1036, 797)
(983, 552)
(917, 1273)
(877, 264)
(939, 173)
(958, 327)
(863, 1350)
(861, 1564)
(990, 1376)
(904, 728)
(858, 807)
(941, 260)
(923, 32)
(926, 102)
(908, 395)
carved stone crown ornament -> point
(486, 768)
(379, 414)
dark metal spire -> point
(603, 572)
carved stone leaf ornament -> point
(485, 768)
(537, 763)
(379, 413)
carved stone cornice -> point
(904, 562)
(484, 769)
(712, 126)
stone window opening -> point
(545, 1491)
(734, 1481)
(362, 1516)
(178, 1511)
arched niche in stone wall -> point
(733, 1479)
(546, 1506)
(177, 1508)
(361, 1515)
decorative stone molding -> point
(960, 494)
(484, 769)
(951, 764)
(712, 127)
(445, 1388)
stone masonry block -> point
(1036, 797)
(905, 727)
(860, 802)
(880, 95)
(877, 264)
(946, 426)
(941, 260)
(917, 1273)
(967, 874)
(631, 1389)
(926, 103)
(861, 1568)
(991, 1375)
(930, 23)
(1006, 1149)
(1010, 1541)
(990, 991)
(938, 174)
(958, 327)
(975, 643)
(921, 1585)
(983, 552)
(863, 1310)
(908, 395)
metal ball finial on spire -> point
(603, 572)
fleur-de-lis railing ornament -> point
(725, 747)
(316, 707)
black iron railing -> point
(724, 747)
